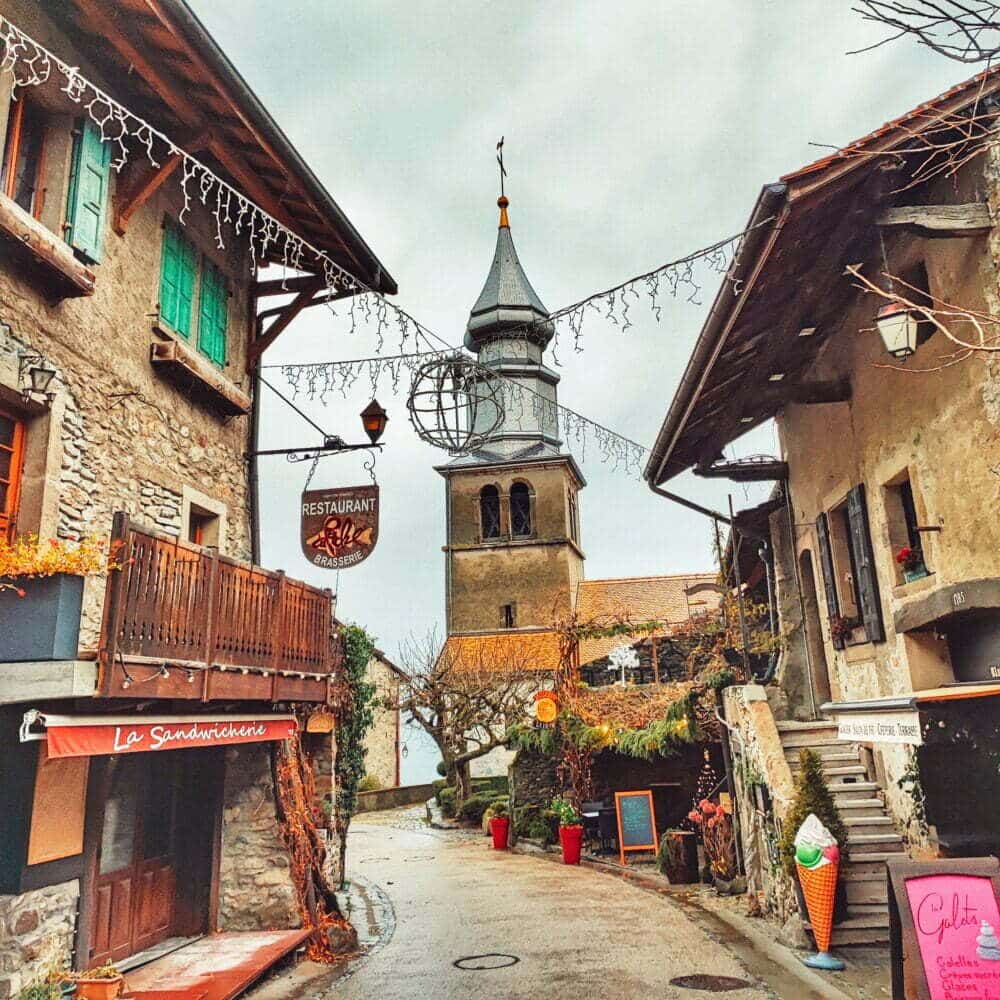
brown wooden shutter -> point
(829, 580)
(864, 561)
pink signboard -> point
(957, 925)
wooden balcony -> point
(182, 621)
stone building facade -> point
(382, 741)
(886, 562)
(151, 336)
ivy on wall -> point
(355, 715)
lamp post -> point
(897, 323)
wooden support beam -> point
(319, 301)
(942, 220)
(264, 340)
(275, 286)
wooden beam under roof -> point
(941, 220)
(264, 340)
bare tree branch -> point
(967, 32)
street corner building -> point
(141, 710)
(839, 320)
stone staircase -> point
(872, 838)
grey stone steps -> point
(865, 850)
(860, 936)
(789, 726)
(865, 871)
(836, 769)
(835, 758)
(810, 740)
(867, 822)
(861, 892)
(849, 791)
(858, 806)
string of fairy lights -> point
(236, 216)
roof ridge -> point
(661, 576)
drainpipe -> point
(766, 557)
(254, 467)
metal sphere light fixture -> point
(456, 404)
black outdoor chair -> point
(607, 829)
(590, 813)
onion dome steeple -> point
(507, 305)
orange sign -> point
(546, 707)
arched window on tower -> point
(489, 511)
(520, 510)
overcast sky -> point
(636, 132)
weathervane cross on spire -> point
(503, 172)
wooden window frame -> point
(8, 514)
(12, 147)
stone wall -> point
(118, 434)
(533, 779)
(36, 933)
(382, 740)
(255, 885)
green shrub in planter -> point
(472, 809)
(446, 800)
(500, 805)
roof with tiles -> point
(504, 651)
(671, 599)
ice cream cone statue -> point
(817, 860)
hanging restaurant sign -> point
(340, 526)
(94, 735)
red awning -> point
(92, 735)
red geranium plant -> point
(910, 558)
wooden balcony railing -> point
(174, 604)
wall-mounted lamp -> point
(34, 377)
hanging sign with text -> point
(339, 526)
(88, 736)
(880, 727)
(945, 929)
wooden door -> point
(133, 906)
(11, 454)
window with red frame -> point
(11, 449)
(23, 156)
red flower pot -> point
(571, 838)
(500, 827)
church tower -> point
(513, 555)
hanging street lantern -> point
(374, 419)
(897, 324)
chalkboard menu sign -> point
(944, 929)
(636, 822)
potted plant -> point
(719, 841)
(41, 594)
(500, 824)
(104, 982)
(677, 857)
(911, 560)
(570, 830)
(841, 629)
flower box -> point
(44, 624)
(917, 573)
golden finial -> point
(502, 202)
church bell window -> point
(489, 511)
(520, 510)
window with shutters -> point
(849, 576)
(86, 205)
(574, 517)
(212, 314)
(508, 616)
(904, 510)
(11, 453)
(178, 276)
(23, 156)
(521, 502)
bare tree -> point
(967, 31)
(466, 693)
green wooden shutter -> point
(88, 191)
(178, 267)
(864, 562)
(213, 314)
(829, 579)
